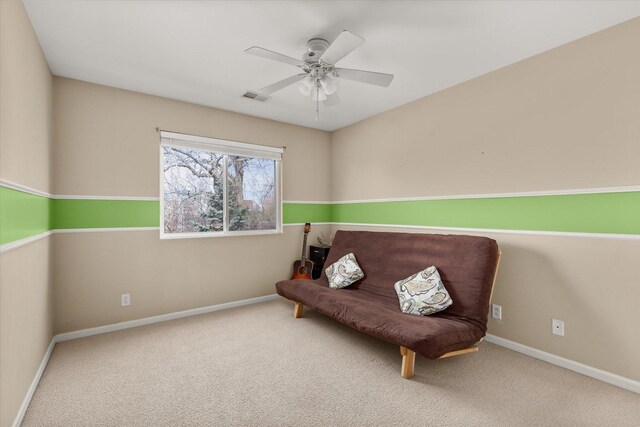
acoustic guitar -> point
(302, 268)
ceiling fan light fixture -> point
(306, 85)
(329, 84)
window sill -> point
(172, 236)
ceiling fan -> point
(319, 77)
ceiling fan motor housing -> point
(315, 49)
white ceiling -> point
(193, 51)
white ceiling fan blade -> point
(331, 100)
(342, 46)
(274, 56)
(378, 79)
(268, 90)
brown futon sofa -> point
(467, 266)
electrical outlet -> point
(496, 311)
(557, 327)
(125, 299)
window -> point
(212, 187)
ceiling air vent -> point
(256, 96)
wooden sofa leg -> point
(408, 362)
(297, 310)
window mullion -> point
(225, 199)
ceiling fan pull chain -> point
(317, 101)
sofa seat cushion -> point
(467, 265)
(429, 336)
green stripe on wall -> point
(617, 213)
(295, 213)
(22, 215)
(83, 213)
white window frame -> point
(226, 148)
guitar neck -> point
(304, 248)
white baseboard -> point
(34, 384)
(599, 374)
(160, 318)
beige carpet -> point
(256, 365)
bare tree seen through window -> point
(194, 192)
(252, 193)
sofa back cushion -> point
(466, 264)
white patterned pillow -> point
(423, 293)
(344, 272)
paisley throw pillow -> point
(423, 293)
(344, 272)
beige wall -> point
(26, 316)
(106, 144)
(25, 104)
(93, 269)
(565, 119)
(26, 321)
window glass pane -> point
(251, 190)
(193, 191)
